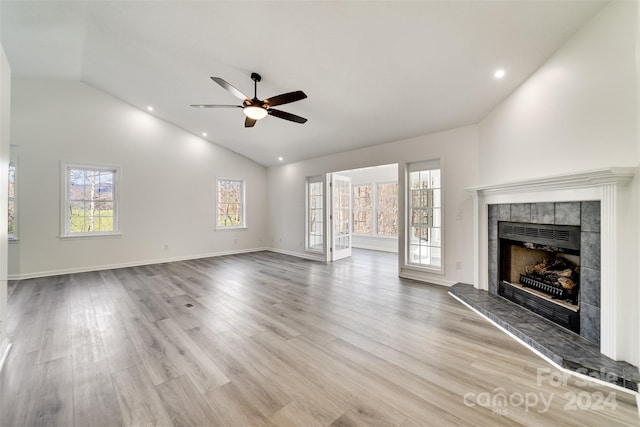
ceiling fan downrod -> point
(256, 78)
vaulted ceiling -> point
(373, 71)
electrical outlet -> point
(459, 215)
(458, 265)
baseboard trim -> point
(5, 348)
(404, 273)
(130, 264)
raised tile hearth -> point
(563, 347)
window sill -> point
(231, 228)
(376, 236)
(13, 240)
(89, 236)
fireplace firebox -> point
(539, 269)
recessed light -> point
(150, 108)
(280, 158)
(204, 134)
(499, 74)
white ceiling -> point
(373, 71)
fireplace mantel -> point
(594, 178)
(607, 185)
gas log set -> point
(555, 276)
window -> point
(362, 205)
(231, 203)
(387, 209)
(13, 226)
(91, 200)
(315, 214)
(379, 201)
(425, 213)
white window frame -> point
(243, 205)
(13, 237)
(323, 212)
(414, 167)
(65, 220)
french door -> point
(329, 220)
(341, 217)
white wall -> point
(579, 112)
(637, 187)
(5, 114)
(458, 150)
(383, 173)
(376, 175)
(168, 182)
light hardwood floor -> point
(270, 340)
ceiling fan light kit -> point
(253, 108)
(254, 112)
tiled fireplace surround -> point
(585, 214)
(595, 200)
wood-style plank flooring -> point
(265, 339)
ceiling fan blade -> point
(249, 122)
(287, 116)
(215, 106)
(286, 98)
(235, 92)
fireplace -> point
(524, 235)
(607, 313)
(539, 269)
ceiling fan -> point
(255, 109)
